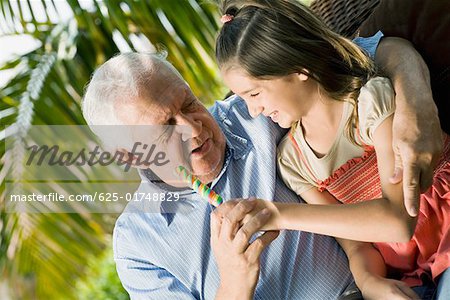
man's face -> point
(168, 100)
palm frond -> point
(42, 253)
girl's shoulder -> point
(285, 147)
(378, 89)
(376, 102)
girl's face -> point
(284, 99)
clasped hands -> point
(233, 224)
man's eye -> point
(190, 105)
(254, 95)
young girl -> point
(288, 66)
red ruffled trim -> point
(323, 184)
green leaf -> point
(41, 255)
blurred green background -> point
(68, 256)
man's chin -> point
(206, 174)
(206, 177)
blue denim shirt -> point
(166, 255)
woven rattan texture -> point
(344, 16)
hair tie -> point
(226, 18)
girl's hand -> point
(273, 223)
(379, 288)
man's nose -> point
(193, 124)
(255, 110)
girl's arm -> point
(367, 266)
(364, 260)
(378, 220)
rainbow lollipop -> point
(201, 188)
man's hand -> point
(417, 135)
(379, 288)
(417, 142)
(237, 259)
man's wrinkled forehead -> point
(165, 86)
(161, 92)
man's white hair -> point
(122, 77)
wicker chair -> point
(344, 16)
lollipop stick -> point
(201, 188)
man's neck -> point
(153, 178)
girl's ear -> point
(303, 75)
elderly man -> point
(166, 254)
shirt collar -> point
(149, 177)
(238, 145)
